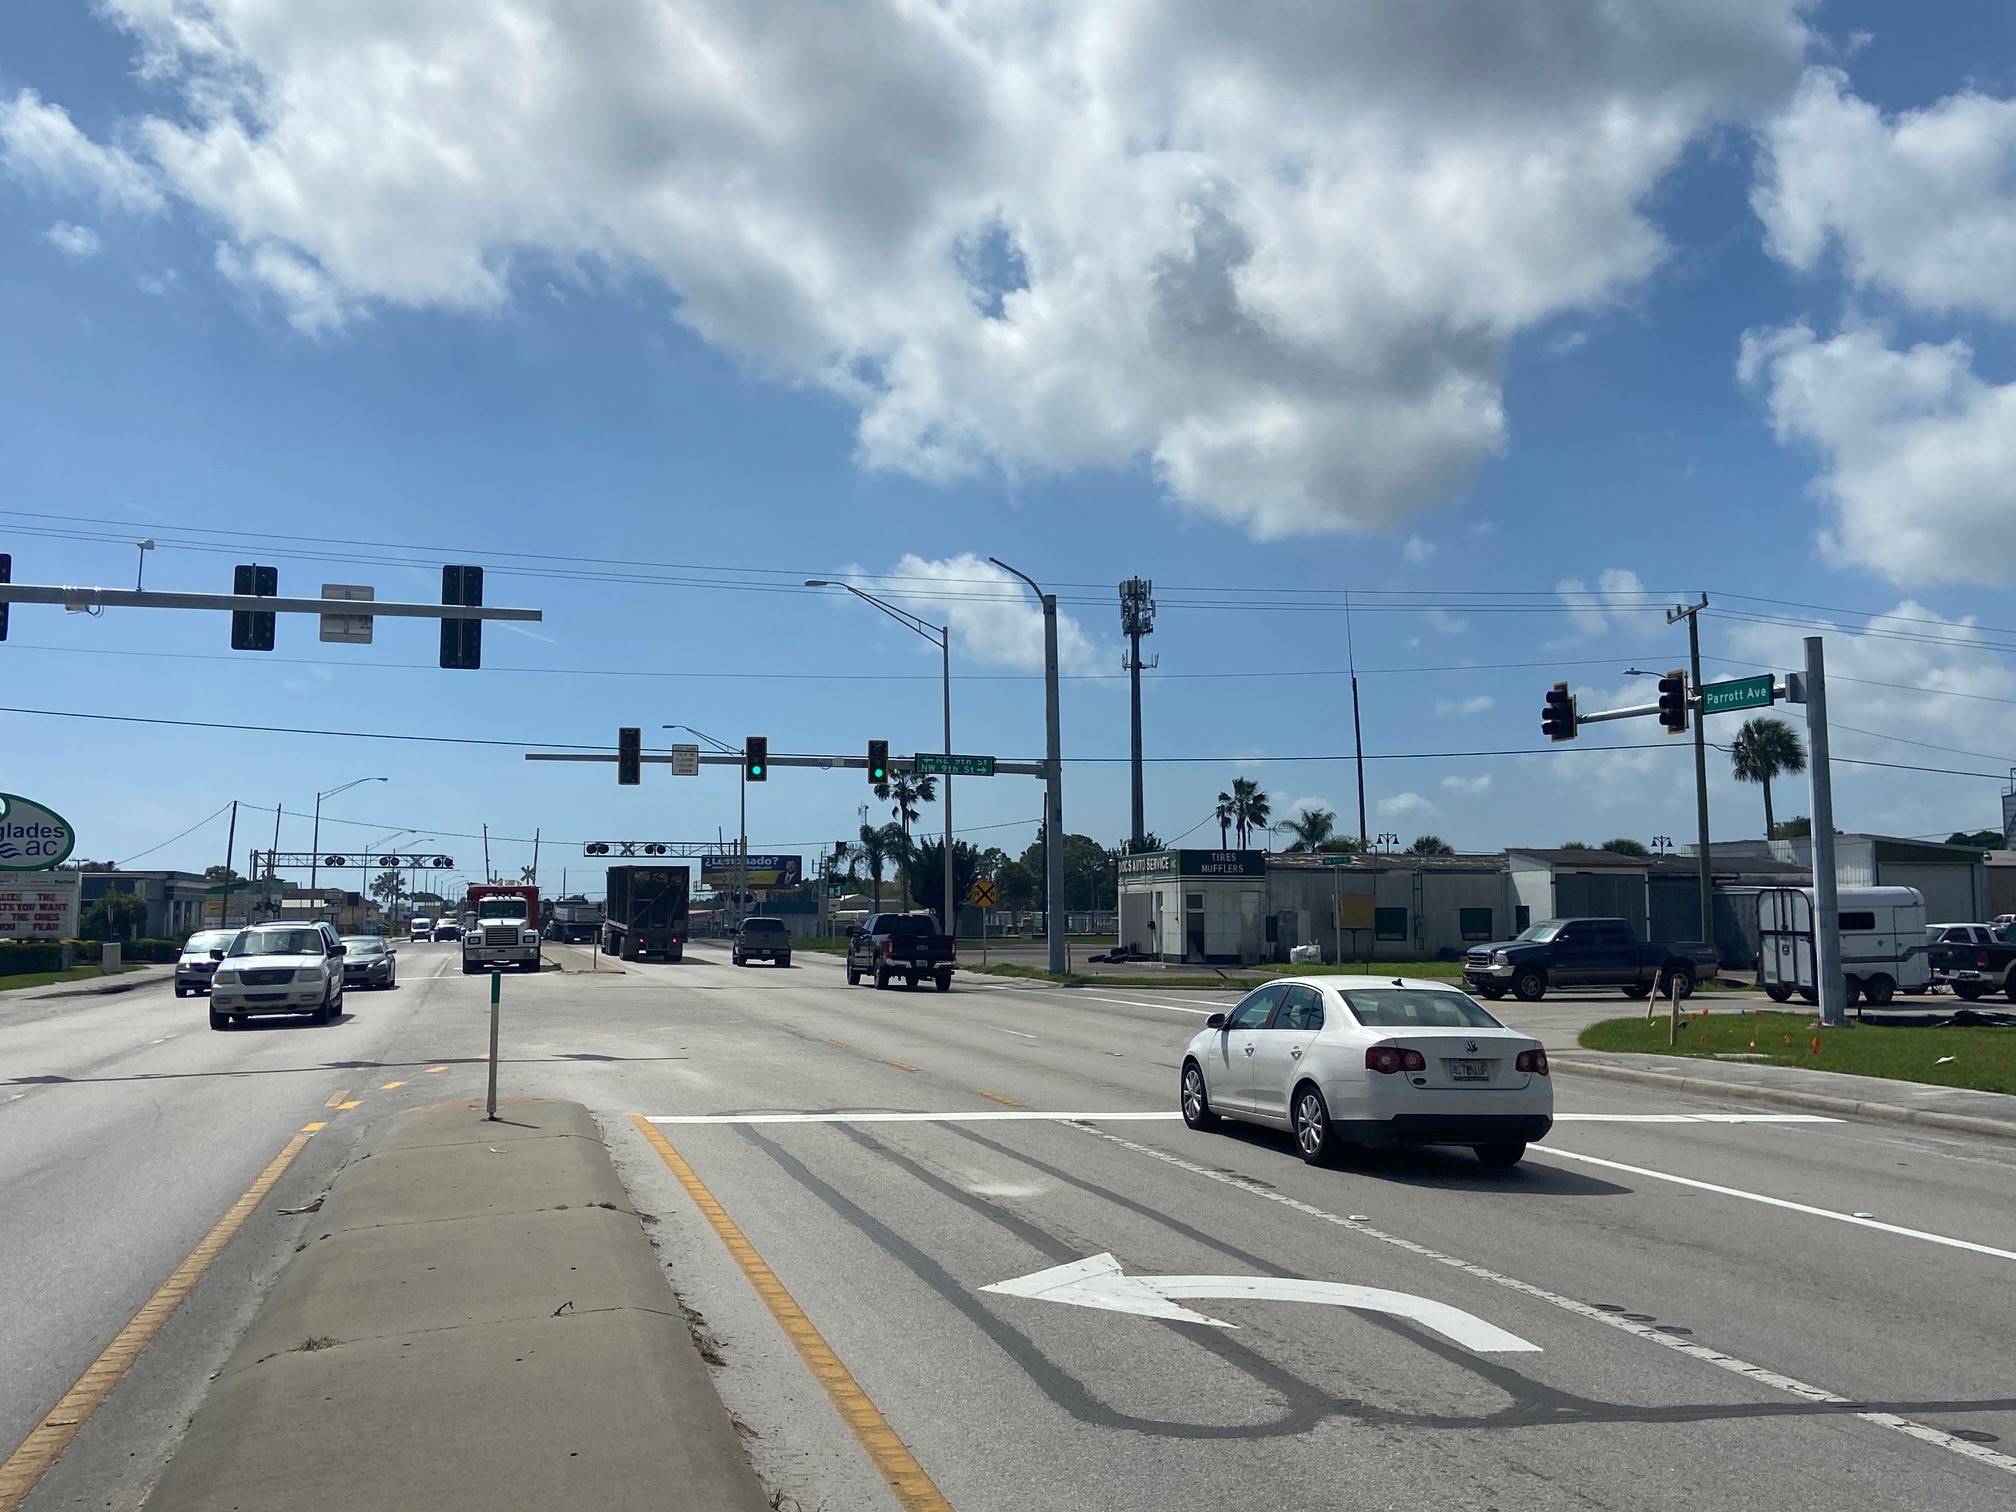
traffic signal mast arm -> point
(823, 763)
(128, 598)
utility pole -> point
(1137, 618)
(1692, 614)
(1053, 764)
(1833, 987)
(272, 866)
(230, 837)
(1357, 730)
(488, 875)
(535, 856)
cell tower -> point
(1137, 618)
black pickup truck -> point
(1585, 953)
(909, 946)
(1975, 969)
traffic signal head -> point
(629, 756)
(1673, 702)
(1557, 717)
(6, 576)
(878, 761)
(462, 639)
(252, 631)
(756, 758)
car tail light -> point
(1981, 959)
(1388, 1059)
(1532, 1062)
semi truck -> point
(574, 919)
(647, 912)
(501, 927)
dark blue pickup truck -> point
(1585, 953)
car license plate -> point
(1469, 1070)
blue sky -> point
(235, 318)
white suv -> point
(278, 968)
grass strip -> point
(50, 978)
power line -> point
(168, 842)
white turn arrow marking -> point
(1099, 1282)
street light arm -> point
(1033, 588)
(715, 741)
(936, 634)
(359, 782)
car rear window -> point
(763, 926)
(909, 924)
(1416, 1008)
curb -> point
(1809, 1102)
(138, 978)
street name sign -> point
(685, 761)
(1738, 693)
(1343, 858)
(930, 765)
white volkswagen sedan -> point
(1351, 1061)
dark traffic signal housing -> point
(1557, 716)
(251, 631)
(878, 761)
(1673, 702)
(462, 639)
(756, 758)
(6, 576)
(629, 756)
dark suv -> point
(762, 940)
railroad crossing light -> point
(1557, 717)
(629, 756)
(252, 631)
(1673, 702)
(756, 758)
(878, 761)
(6, 576)
(462, 639)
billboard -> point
(32, 838)
(764, 871)
(39, 908)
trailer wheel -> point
(1971, 992)
(853, 977)
(1778, 992)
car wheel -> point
(1880, 989)
(1778, 992)
(784, 961)
(1196, 1098)
(1809, 996)
(1854, 992)
(1682, 978)
(218, 1020)
(1971, 992)
(1314, 1138)
(1501, 1156)
(881, 978)
(180, 990)
(1530, 985)
(468, 970)
(1637, 992)
(1492, 990)
(853, 977)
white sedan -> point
(1348, 1061)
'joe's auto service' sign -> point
(32, 838)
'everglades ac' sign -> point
(32, 838)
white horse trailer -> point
(1883, 948)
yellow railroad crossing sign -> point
(983, 893)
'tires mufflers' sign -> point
(32, 838)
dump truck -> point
(646, 912)
(502, 927)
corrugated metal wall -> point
(1599, 895)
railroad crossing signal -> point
(252, 631)
(983, 894)
(878, 761)
(1673, 702)
(1557, 718)
(756, 758)
(629, 753)
(462, 639)
(6, 576)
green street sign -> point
(835, 890)
(929, 765)
(1738, 693)
(1342, 858)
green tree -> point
(216, 874)
(1313, 828)
(1986, 839)
(1244, 809)
(1798, 827)
(1226, 813)
(1149, 842)
(1624, 846)
(875, 849)
(388, 887)
(1430, 845)
(1764, 749)
(1342, 845)
(1576, 845)
(117, 915)
(903, 792)
(927, 872)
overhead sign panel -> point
(685, 761)
(349, 629)
(932, 765)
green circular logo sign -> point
(32, 838)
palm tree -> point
(1766, 748)
(903, 792)
(873, 851)
(1430, 845)
(1251, 808)
(1313, 828)
(1224, 814)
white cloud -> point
(1446, 623)
(73, 241)
(1468, 787)
(1618, 592)
(1417, 550)
(1476, 703)
(995, 619)
(1921, 204)
(1277, 256)
(1406, 806)
(40, 142)
(1917, 452)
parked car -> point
(278, 968)
(194, 966)
(1343, 1065)
(760, 939)
(1585, 953)
(369, 962)
(447, 929)
(890, 945)
(1975, 968)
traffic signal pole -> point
(1692, 614)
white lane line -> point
(1789, 1384)
(1016, 1032)
(1713, 1118)
(1166, 1007)
(839, 1118)
(1789, 1206)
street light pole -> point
(942, 634)
(742, 839)
(315, 844)
(1053, 805)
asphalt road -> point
(1714, 1324)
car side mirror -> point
(216, 955)
(340, 950)
(1216, 1021)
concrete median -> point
(476, 1321)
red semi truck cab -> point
(503, 928)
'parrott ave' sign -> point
(32, 838)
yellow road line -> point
(837, 1044)
(335, 1098)
(388, 1086)
(997, 1097)
(312, 1128)
(346, 1107)
(900, 1065)
(915, 1490)
(27, 1464)
(431, 1070)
